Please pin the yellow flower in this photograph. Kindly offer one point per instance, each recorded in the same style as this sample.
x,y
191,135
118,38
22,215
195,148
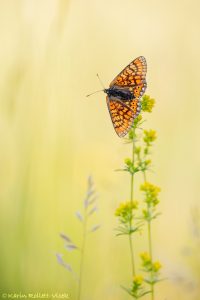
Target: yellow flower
x,y
119,209
147,103
145,257
128,161
137,150
150,188
149,136
138,279
147,162
151,193
157,266
126,207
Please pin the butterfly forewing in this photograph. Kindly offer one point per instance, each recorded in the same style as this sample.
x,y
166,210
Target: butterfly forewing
x,y
133,77
122,114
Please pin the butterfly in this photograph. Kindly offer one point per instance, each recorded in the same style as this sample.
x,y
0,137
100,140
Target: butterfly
x,y
124,93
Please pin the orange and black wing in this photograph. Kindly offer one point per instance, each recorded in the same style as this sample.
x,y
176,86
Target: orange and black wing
x,y
122,114
135,105
133,77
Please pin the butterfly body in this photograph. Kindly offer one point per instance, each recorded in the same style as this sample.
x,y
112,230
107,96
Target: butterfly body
x,y
119,93
124,93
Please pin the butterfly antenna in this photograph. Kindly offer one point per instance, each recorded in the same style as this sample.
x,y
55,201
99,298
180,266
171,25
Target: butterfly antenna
x,y
99,90
94,93
101,81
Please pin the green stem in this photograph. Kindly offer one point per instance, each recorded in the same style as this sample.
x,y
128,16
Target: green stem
x,y
150,242
151,256
132,197
82,255
132,187
132,255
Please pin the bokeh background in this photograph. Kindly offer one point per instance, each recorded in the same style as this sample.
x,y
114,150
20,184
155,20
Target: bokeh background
x,y
52,137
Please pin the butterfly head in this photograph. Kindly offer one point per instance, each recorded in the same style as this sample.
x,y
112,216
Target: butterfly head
x,y
107,91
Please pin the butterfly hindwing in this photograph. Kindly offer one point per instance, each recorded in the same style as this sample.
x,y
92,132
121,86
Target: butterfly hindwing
x,y
135,105
122,114
133,77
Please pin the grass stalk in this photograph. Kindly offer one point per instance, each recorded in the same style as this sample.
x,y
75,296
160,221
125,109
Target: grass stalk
x,y
82,255
132,197
83,216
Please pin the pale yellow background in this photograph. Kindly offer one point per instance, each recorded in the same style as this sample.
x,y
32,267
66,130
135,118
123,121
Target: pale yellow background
x,y
52,137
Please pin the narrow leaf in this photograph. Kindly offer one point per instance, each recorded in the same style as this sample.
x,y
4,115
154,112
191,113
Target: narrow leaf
x,y
65,237
95,228
127,290
156,215
62,263
145,293
70,247
88,202
116,170
59,258
90,181
79,216
92,210
90,193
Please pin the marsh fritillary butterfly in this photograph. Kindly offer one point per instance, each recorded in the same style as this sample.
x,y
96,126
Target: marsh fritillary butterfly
x,y
124,93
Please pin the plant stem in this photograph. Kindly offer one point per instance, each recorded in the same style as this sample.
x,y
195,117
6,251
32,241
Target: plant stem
x,y
131,196
132,255
150,242
133,162
151,256
82,254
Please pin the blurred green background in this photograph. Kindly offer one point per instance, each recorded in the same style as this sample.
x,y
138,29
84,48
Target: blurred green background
x,y
52,137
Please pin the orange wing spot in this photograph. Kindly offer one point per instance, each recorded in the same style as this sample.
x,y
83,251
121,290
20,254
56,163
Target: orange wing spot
x,y
127,117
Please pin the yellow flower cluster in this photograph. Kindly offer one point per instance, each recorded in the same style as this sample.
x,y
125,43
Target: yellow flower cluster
x,y
147,103
125,208
128,161
137,150
145,257
147,162
151,189
149,136
138,279
151,192
148,264
156,266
